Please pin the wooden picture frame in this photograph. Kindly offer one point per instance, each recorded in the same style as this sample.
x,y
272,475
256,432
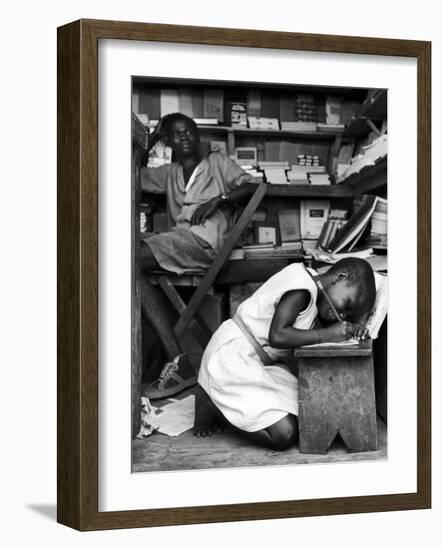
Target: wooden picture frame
x,y
78,429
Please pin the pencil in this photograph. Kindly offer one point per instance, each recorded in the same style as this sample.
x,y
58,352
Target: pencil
x,y
330,303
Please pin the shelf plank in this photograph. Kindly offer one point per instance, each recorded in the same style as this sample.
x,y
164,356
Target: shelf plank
x,y
310,191
329,134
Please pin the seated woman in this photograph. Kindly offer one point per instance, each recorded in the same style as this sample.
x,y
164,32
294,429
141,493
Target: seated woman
x,y
200,191
243,379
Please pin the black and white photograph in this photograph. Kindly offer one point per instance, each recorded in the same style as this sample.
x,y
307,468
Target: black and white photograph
x,y
259,274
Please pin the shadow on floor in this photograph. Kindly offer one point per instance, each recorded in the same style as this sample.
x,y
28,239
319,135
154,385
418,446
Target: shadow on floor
x,y
48,511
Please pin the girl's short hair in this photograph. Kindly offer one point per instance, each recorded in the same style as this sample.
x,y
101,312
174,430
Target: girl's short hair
x,y
359,274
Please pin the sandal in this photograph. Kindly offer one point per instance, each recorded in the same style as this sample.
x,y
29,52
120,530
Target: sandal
x,y
171,380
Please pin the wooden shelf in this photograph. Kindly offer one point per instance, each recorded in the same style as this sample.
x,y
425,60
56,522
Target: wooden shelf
x,y
368,179
329,134
310,191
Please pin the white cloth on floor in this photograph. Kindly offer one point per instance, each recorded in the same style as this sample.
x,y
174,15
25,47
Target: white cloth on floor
x,y
250,395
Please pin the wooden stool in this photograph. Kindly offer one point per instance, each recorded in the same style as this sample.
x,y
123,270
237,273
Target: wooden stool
x,y
336,395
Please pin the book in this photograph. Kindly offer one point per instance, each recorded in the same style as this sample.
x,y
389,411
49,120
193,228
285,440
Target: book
x,y
305,108
206,121
318,178
380,308
254,102
263,123
275,175
246,155
313,215
197,103
169,101
149,103
213,103
299,126
237,254
286,107
368,155
271,151
273,164
324,127
288,151
185,101
333,109
355,226
300,174
238,113
269,104
289,225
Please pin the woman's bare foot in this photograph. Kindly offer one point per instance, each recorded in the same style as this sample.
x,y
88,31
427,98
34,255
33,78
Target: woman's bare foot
x,y
208,419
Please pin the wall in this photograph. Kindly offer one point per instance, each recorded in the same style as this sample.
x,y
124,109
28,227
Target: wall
x,y
29,280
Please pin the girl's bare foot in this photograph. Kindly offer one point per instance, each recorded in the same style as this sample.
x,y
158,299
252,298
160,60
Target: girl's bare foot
x,y
208,419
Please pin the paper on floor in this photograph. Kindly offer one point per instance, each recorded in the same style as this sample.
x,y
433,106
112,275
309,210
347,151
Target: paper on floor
x,y
149,418
177,417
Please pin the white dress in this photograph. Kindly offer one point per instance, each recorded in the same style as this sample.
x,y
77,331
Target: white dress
x,y
250,395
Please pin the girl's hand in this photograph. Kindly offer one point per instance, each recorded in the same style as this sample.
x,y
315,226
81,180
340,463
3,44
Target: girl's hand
x,y
204,211
361,332
339,332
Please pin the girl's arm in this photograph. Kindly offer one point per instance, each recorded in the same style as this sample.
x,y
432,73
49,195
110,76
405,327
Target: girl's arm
x,y
283,335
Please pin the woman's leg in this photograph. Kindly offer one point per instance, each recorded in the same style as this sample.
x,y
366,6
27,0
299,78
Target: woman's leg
x,y
151,304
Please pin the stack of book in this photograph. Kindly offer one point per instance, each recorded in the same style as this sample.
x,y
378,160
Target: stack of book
x,y
292,250
263,123
258,175
238,113
366,254
333,108
370,154
378,233
299,175
308,160
324,127
305,108
298,126
335,222
318,178
207,121
351,233
275,171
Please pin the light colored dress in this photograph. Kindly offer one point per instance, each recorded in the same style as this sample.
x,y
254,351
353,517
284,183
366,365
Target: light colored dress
x,y
250,395
188,247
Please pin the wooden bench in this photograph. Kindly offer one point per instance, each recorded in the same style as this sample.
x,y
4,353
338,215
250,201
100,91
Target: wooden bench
x,y
336,395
